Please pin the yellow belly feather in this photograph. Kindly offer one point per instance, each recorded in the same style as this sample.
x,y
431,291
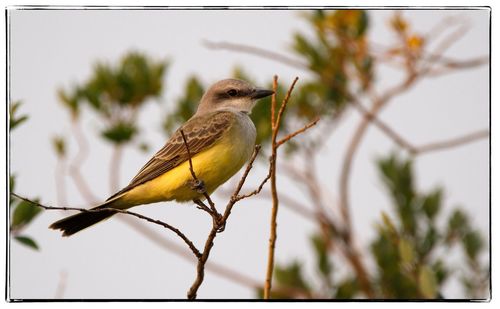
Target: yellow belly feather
x,y
214,166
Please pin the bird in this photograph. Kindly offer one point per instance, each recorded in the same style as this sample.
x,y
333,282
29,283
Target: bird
x,y
220,139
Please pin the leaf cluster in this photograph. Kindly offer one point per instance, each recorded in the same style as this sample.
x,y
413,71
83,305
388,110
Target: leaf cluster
x,y
22,213
410,249
116,93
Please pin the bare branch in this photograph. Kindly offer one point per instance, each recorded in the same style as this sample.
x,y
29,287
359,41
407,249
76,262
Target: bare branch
x,y
256,191
454,142
284,103
200,183
299,131
115,210
383,127
257,51
418,150
218,226
275,124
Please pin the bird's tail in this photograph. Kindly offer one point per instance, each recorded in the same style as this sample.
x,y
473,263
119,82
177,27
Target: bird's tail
x,y
75,223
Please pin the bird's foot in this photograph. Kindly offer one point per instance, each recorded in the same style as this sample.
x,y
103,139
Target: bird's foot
x,y
197,185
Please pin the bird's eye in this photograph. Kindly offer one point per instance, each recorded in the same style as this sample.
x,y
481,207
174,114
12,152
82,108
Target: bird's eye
x,y
232,92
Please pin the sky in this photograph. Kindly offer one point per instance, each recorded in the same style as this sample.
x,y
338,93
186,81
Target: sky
x,y
53,49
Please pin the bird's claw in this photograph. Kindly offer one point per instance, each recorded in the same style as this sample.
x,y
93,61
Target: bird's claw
x,y
197,185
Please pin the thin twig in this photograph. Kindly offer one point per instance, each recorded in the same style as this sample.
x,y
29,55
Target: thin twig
x,y
454,142
204,192
274,194
256,191
122,211
299,131
383,127
275,124
257,51
277,121
419,150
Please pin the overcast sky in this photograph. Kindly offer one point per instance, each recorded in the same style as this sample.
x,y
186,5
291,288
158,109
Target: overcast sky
x,y
52,49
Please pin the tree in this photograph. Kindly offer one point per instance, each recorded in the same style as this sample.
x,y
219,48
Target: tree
x,y
344,64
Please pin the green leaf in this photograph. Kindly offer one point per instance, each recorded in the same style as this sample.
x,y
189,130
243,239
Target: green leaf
x,y
70,101
59,144
24,213
120,133
15,120
291,276
347,289
388,224
473,243
12,185
427,282
143,147
185,106
27,241
458,225
322,261
432,203
406,251
440,271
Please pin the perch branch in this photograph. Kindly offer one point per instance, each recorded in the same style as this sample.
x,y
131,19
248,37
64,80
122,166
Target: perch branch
x,y
126,212
217,226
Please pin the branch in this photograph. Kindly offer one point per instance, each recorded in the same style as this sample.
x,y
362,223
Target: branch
x,y
126,212
74,168
218,226
454,142
257,51
369,116
272,171
299,131
198,183
275,124
418,150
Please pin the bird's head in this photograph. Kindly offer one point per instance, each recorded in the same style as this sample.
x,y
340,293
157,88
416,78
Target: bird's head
x,y
233,94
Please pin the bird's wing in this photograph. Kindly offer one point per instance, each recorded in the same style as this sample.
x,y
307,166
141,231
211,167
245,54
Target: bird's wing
x,y
201,132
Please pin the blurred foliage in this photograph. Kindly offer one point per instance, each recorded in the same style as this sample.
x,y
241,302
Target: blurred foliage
x,y
116,94
59,145
14,119
411,250
21,212
339,47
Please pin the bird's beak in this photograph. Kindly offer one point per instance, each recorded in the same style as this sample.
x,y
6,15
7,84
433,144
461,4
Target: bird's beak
x,y
261,93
